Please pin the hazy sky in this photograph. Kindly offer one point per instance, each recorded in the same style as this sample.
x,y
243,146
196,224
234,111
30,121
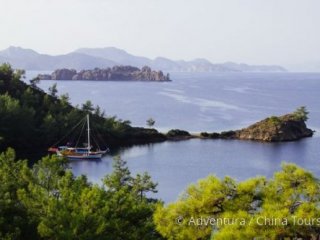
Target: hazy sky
x,y
253,31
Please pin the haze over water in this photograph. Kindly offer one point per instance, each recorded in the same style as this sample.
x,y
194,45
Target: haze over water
x,y
203,102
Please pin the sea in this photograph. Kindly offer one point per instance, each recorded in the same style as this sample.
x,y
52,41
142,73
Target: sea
x,y
197,102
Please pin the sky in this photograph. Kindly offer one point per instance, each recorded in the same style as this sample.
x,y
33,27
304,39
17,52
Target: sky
x,y
284,32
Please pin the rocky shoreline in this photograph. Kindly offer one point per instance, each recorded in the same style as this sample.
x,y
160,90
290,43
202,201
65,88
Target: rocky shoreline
x,y
116,73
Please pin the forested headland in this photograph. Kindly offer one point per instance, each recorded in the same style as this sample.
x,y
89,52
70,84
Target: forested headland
x,y
32,120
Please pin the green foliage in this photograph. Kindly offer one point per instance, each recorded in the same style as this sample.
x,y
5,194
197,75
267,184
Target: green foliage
x,y
274,120
53,90
48,202
291,194
31,120
150,122
16,121
178,133
5,70
128,206
88,107
301,113
120,178
34,82
143,184
14,223
64,98
99,112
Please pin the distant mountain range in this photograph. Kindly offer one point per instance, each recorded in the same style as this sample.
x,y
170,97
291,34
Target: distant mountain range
x,y
89,58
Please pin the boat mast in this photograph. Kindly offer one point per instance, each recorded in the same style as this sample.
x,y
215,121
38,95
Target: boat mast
x,y
88,127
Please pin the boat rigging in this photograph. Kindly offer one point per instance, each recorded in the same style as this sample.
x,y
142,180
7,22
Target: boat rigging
x,y
80,153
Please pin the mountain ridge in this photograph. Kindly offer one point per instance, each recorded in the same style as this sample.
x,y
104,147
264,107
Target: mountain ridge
x,y
88,58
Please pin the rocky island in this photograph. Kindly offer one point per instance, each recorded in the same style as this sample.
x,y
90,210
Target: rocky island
x,y
116,73
289,127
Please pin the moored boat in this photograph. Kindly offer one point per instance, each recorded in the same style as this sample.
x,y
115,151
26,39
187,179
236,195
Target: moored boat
x,y
80,153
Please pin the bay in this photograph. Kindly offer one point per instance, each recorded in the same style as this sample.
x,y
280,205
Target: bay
x,y
203,102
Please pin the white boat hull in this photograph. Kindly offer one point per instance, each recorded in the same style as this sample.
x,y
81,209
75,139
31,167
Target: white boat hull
x,y
84,157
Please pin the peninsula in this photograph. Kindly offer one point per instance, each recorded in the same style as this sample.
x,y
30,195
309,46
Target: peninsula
x,y
116,73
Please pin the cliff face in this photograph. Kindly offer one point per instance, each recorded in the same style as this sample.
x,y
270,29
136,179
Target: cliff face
x,y
121,73
273,129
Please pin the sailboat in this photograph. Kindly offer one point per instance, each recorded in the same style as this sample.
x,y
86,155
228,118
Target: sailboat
x,y
80,153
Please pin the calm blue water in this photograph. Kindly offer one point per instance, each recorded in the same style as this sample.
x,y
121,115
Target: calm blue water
x,y
203,102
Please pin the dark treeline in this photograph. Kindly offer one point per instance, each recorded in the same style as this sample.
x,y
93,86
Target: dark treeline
x,y
31,120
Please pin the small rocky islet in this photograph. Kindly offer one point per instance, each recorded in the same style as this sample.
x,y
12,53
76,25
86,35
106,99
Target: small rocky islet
x,y
116,73
289,127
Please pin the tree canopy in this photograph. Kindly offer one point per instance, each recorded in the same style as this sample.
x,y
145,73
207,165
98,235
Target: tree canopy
x,y
150,122
48,202
301,113
286,206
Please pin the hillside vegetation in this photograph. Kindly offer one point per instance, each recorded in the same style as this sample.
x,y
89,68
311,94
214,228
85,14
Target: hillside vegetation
x,y
31,120
48,202
287,206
